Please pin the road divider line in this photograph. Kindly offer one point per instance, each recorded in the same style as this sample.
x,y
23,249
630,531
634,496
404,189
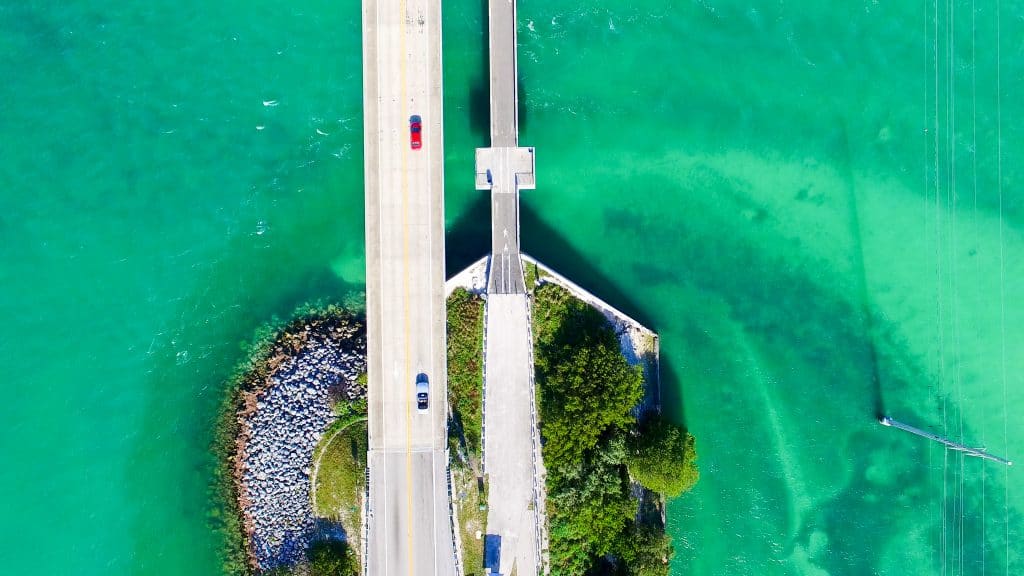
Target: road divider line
x,y
402,8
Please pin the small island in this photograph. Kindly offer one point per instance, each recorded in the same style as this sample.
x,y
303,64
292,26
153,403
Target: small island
x,y
610,458
291,448
291,444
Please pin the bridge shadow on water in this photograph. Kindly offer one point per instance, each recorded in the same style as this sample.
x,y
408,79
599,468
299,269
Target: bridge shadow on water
x,y
480,90
468,239
546,244
521,112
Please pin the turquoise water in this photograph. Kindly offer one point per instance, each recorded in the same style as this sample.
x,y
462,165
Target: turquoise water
x,y
810,203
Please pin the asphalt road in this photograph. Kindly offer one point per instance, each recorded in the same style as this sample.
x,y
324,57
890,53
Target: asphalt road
x,y
409,525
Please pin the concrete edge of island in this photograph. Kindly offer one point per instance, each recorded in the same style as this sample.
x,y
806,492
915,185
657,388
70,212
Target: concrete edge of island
x,y
639,345
637,341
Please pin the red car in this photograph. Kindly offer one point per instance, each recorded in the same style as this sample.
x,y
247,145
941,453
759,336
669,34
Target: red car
x,y
415,129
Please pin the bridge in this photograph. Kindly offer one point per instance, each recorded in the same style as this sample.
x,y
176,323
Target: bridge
x,y
504,168
408,522
409,530
512,462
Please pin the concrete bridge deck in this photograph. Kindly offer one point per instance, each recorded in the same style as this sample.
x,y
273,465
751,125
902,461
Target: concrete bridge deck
x,y
408,524
504,70
504,168
511,443
505,171
511,447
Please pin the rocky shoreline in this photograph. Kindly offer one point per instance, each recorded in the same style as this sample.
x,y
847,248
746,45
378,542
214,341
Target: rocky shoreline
x,y
313,364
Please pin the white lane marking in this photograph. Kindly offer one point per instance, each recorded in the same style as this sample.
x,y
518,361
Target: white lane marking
x,y
430,247
380,268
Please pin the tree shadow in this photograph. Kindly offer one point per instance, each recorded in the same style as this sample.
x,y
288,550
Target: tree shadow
x,y
671,394
328,530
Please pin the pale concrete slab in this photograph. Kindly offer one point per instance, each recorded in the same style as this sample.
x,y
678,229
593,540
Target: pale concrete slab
x,y
509,449
503,171
501,17
519,163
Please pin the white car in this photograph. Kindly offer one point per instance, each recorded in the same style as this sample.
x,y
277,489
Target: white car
x,y
422,393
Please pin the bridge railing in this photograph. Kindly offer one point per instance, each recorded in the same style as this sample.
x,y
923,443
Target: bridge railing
x,y
539,494
365,528
453,516
483,395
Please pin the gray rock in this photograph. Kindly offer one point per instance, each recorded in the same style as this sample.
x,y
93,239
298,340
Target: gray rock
x,y
290,419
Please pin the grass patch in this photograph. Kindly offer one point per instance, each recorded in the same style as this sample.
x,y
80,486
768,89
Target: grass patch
x,y
471,506
531,274
465,369
340,475
465,396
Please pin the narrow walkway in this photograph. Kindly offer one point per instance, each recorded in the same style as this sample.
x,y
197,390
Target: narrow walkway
x,y
504,168
509,458
505,171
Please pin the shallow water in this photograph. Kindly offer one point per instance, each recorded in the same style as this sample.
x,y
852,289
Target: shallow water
x,y
810,204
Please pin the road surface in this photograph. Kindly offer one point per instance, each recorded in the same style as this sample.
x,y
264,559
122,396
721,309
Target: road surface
x,y
509,442
502,55
409,530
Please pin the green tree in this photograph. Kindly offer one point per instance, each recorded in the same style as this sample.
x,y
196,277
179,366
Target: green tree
x,y
590,501
563,324
662,457
643,551
587,392
585,396
332,558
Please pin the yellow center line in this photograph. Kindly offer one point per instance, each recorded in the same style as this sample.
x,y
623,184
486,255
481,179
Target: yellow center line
x,y
405,296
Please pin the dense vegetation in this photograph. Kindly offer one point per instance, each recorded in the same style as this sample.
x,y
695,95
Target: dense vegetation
x,y
643,551
465,366
465,396
663,458
587,393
